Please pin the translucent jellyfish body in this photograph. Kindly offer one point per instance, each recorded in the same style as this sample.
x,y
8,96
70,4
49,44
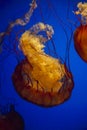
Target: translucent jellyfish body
x,y
41,78
80,34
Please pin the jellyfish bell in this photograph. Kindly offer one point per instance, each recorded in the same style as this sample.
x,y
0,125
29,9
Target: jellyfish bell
x,y
10,119
40,78
80,34
80,41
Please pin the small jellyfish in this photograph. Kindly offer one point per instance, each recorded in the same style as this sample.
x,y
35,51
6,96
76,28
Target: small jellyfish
x,y
10,119
80,34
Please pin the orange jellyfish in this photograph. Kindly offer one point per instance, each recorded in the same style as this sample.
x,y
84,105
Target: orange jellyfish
x,y
40,78
80,34
10,119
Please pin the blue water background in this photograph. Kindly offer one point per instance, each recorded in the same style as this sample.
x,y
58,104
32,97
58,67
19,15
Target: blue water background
x,y
71,115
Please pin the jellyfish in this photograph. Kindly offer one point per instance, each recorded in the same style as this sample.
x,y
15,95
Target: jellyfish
x,y
80,34
39,77
10,119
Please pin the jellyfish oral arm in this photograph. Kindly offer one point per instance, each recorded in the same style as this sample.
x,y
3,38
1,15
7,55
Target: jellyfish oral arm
x,y
27,16
25,20
82,10
42,27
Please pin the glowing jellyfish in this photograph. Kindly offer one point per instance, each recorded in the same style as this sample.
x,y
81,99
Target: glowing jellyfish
x,y
10,119
80,35
40,78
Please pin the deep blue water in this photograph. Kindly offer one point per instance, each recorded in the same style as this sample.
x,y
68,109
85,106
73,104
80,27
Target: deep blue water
x,y
72,114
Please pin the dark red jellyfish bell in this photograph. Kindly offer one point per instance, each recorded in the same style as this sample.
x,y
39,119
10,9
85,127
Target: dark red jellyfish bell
x,y
80,41
80,34
11,120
